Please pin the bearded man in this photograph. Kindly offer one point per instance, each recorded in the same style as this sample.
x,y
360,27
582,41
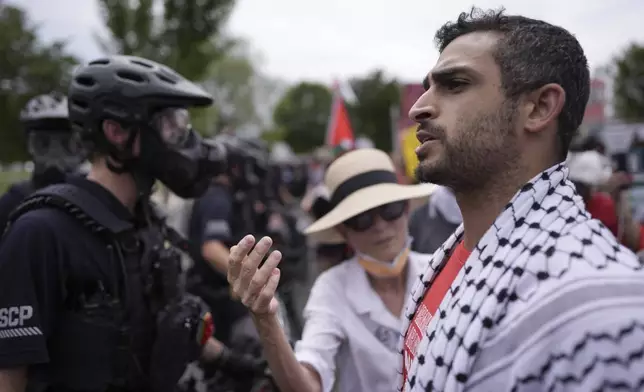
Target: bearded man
x,y
530,293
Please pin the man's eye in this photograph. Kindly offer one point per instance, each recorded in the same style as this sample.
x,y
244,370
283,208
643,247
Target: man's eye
x,y
454,84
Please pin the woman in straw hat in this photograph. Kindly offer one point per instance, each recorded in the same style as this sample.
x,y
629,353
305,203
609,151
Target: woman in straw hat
x,y
330,246
353,314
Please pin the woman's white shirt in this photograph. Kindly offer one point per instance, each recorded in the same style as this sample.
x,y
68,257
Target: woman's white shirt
x,y
349,329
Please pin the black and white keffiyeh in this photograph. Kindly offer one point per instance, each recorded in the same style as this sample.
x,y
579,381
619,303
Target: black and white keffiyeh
x,y
547,301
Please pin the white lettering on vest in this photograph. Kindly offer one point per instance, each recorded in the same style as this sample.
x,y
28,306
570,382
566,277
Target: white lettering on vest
x,y
15,316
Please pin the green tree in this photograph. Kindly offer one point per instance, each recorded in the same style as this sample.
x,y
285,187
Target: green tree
x,y
244,97
302,115
629,84
274,135
185,35
231,81
371,114
29,67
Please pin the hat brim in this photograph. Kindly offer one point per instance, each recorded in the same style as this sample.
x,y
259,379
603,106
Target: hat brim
x,y
367,198
327,237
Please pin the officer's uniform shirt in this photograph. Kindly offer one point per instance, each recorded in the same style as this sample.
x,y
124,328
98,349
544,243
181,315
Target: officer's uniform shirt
x,y
349,332
11,199
213,219
41,257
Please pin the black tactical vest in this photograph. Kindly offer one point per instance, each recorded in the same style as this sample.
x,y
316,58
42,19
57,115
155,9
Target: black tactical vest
x,y
103,343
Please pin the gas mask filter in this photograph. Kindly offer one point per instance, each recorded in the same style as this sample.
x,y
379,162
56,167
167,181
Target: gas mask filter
x,y
173,153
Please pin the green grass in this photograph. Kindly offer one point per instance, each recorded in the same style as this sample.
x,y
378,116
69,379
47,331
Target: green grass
x,y
9,177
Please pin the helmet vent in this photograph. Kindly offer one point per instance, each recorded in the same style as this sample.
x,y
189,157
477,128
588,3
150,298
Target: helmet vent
x,y
131,76
78,105
142,63
86,81
100,62
114,109
164,77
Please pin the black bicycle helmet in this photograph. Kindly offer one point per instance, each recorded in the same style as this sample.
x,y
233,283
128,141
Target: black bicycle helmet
x,y
129,90
47,112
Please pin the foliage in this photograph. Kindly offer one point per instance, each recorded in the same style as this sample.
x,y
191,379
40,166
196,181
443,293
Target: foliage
x,y
188,36
29,67
232,82
629,85
274,135
185,35
10,177
302,116
371,114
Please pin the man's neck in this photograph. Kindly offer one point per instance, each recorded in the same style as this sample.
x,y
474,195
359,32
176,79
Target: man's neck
x,y
479,212
122,186
480,208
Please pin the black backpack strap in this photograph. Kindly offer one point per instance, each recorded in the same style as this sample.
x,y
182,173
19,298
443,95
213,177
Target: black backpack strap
x,y
78,203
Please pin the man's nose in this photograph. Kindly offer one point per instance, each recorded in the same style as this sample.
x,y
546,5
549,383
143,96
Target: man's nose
x,y
424,108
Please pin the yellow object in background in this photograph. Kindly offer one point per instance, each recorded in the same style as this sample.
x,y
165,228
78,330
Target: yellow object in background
x,y
408,146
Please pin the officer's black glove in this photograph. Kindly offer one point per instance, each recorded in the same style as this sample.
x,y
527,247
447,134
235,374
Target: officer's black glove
x,y
236,365
183,327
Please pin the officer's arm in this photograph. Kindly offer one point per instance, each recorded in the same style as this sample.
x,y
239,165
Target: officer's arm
x,y
217,254
30,284
215,210
13,380
237,365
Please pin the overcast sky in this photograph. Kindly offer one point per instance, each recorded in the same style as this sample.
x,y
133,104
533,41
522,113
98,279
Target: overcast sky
x,y
325,39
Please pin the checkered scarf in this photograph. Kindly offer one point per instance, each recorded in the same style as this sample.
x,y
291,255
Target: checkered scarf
x,y
545,221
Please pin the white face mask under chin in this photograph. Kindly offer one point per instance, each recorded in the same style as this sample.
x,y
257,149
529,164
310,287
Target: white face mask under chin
x,y
386,269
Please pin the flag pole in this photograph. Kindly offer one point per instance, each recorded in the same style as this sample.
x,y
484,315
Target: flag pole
x,y
394,114
333,114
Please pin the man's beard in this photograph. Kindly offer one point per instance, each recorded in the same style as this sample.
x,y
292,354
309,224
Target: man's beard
x,y
483,151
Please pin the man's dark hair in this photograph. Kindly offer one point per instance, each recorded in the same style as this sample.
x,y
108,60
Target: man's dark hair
x,y
530,54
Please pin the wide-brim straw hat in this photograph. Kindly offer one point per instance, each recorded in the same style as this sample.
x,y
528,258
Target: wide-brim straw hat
x,y
319,206
327,237
359,181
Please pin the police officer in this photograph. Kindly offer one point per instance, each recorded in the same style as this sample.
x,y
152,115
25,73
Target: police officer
x,y
219,219
54,149
89,296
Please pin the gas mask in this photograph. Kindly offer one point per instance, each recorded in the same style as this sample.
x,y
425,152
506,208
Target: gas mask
x,y
241,171
55,154
173,153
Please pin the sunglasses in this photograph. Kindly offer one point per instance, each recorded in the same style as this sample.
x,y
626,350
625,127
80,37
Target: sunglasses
x,y
387,212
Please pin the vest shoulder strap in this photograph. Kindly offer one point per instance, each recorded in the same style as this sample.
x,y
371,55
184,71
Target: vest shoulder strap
x,y
78,203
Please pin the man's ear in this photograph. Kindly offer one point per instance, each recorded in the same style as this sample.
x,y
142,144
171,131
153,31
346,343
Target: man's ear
x,y
543,107
115,134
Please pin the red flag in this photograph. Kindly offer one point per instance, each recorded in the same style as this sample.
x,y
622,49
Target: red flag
x,y
339,132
